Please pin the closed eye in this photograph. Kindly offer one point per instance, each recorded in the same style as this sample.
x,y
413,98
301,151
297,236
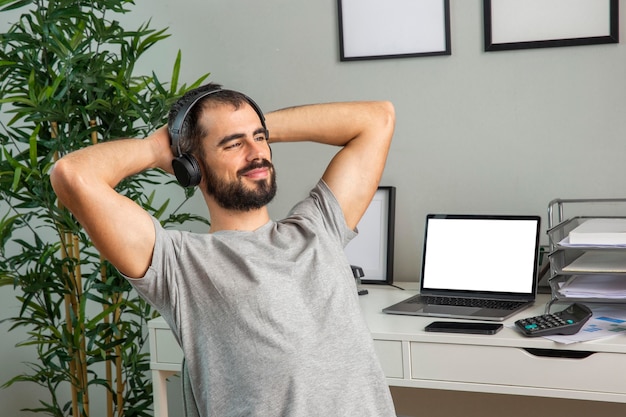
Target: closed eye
x,y
232,145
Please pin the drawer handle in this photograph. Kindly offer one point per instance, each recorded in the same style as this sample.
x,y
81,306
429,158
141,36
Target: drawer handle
x,y
556,353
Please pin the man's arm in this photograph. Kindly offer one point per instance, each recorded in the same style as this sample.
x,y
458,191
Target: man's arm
x,y
363,130
84,182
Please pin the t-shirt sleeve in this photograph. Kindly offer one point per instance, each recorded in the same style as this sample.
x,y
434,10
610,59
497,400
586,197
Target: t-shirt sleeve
x,y
156,286
326,210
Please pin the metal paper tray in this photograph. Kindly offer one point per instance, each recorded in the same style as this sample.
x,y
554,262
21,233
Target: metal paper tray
x,y
558,233
561,258
555,284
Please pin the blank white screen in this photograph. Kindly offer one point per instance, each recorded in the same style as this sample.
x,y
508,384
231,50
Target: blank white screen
x,y
480,255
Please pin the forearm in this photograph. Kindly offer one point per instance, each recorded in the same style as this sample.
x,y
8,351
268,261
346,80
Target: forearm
x,y
108,163
332,123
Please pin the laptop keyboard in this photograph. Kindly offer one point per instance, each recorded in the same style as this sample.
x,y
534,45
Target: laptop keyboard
x,y
469,302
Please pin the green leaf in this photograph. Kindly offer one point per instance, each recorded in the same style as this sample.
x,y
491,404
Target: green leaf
x,y
6,281
33,146
159,212
175,73
17,174
98,318
15,5
18,100
7,224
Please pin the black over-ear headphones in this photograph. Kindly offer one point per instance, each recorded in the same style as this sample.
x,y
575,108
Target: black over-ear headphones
x,y
186,166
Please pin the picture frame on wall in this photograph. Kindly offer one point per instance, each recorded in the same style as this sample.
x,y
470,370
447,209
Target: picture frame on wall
x,y
383,29
515,24
372,248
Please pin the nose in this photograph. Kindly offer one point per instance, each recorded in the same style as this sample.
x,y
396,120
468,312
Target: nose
x,y
259,150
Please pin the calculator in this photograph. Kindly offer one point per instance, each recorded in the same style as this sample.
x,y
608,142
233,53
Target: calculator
x,y
566,322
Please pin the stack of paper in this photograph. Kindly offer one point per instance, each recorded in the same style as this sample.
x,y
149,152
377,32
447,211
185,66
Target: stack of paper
x,y
601,231
594,286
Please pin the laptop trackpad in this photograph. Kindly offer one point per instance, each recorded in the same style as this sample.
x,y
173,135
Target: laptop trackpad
x,y
451,310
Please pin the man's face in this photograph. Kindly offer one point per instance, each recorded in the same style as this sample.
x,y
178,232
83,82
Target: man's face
x,y
238,173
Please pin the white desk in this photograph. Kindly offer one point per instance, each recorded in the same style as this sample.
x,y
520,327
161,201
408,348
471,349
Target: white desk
x,y
503,363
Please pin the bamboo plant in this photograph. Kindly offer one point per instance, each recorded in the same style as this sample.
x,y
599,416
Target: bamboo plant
x,y
67,81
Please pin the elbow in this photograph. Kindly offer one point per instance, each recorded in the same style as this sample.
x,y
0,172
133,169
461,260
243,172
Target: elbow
x,y
57,176
61,179
391,112
388,118
389,109
388,115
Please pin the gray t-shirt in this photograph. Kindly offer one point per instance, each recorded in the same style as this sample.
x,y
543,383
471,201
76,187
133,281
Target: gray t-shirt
x,y
269,320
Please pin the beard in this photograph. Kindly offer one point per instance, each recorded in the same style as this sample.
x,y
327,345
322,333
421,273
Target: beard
x,y
235,195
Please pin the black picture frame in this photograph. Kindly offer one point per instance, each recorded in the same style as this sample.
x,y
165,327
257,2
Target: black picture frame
x,y
373,248
383,29
514,24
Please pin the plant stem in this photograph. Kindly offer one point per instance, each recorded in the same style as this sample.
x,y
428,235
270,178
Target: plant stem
x,y
82,350
65,236
105,306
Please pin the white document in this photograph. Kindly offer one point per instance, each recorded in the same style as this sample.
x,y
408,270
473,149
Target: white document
x,y
566,244
594,286
606,321
601,231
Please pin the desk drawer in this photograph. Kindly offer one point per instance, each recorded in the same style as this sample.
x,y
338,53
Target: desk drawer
x,y
599,372
390,355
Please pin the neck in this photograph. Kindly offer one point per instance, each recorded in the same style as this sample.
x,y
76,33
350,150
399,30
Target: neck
x,y
223,219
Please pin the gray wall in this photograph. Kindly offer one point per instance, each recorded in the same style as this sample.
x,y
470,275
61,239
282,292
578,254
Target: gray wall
x,y
477,132
499,132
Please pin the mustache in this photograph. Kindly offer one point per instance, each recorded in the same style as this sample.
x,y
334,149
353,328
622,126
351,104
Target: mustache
x,y
255,165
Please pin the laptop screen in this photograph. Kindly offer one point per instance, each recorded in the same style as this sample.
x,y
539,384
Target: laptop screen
x,y
476,253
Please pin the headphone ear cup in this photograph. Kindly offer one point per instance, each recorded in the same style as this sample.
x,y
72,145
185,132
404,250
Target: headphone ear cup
x,y
187,170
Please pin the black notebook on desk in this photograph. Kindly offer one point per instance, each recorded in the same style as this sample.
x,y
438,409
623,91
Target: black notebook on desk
x,y
476,267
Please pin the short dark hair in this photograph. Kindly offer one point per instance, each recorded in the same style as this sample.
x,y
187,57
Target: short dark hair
x,y
192,131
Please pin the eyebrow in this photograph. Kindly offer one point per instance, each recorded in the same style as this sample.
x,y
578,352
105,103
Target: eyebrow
x,y
236,136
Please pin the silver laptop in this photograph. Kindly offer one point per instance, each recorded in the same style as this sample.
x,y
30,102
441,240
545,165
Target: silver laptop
x,y
476,267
